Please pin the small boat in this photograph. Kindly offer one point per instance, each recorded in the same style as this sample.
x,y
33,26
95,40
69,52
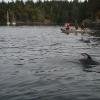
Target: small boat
x,y
68,28
13,21
64,30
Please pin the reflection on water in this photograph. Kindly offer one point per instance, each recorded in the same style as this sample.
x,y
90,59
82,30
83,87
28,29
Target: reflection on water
x,y
41,63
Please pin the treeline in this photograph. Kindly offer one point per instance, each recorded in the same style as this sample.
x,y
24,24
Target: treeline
x,y
49,12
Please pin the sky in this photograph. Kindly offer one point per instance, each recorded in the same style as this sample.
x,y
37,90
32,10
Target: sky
x,y
33,0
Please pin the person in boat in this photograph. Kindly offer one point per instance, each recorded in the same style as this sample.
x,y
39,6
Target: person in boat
x,y
82,26
67,26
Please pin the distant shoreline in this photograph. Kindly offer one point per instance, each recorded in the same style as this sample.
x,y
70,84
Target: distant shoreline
x,y
90,25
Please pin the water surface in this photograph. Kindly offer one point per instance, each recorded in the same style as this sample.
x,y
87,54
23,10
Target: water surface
x,y
42,63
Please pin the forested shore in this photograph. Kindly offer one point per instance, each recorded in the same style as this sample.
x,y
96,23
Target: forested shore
x,y
49,12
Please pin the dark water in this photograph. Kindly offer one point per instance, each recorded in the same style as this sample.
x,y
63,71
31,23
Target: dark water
x,y
41,63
